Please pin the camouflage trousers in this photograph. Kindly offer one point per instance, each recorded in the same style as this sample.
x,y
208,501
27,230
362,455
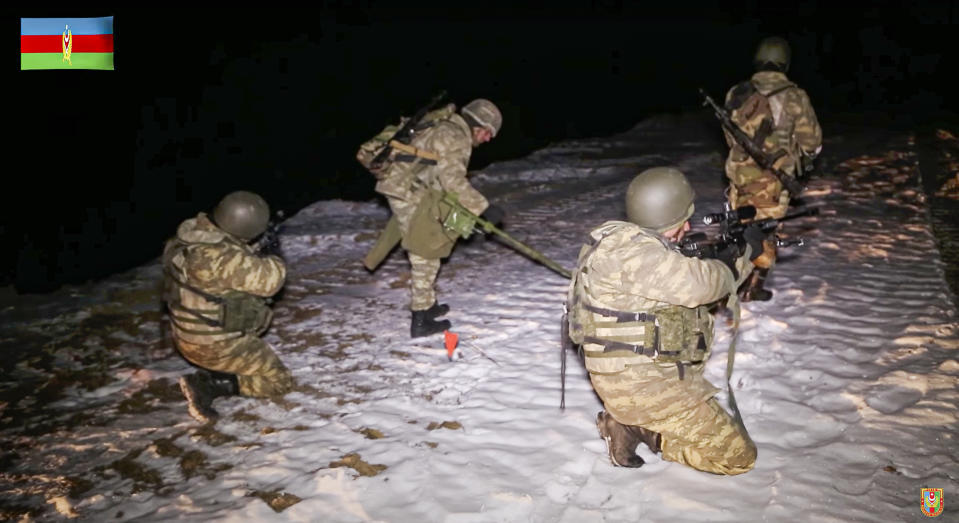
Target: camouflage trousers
x,y
764,192
695,429
422,281
423,271
259,371
750,185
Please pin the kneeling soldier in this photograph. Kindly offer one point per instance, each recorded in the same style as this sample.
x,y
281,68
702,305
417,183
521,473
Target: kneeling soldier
x,y
638,307
217,292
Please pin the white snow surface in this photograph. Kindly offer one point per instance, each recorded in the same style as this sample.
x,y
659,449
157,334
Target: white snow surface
x,y
846,380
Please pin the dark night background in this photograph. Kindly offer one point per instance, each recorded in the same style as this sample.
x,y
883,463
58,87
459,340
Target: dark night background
x,y
101,166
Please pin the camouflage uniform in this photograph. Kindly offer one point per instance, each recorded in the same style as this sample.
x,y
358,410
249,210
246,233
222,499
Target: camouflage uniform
x,y
406,183
647,363
794,129
212,263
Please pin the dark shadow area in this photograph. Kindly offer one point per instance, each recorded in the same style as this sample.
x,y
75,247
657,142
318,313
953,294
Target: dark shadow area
x,y
103,165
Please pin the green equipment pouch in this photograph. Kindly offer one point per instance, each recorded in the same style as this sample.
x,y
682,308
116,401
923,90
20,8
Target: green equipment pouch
x,y
427,236
457,221
682,338
243,312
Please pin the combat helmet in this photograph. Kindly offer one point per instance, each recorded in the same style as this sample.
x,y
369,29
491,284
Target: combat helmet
x,y
242,214
660,199
485,113
773,50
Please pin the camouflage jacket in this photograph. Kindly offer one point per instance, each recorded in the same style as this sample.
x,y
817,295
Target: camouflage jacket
x,y
451,140
632,270
212,263
795,128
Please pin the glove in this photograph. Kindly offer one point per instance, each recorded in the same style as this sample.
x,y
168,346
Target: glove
x,y
754,236
728,254
493,214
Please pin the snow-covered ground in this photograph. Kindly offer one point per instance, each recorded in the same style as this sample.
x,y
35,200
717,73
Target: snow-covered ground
x,y
846,379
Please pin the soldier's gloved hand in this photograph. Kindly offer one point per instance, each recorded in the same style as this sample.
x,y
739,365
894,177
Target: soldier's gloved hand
x,y
754,236
728,255
494,214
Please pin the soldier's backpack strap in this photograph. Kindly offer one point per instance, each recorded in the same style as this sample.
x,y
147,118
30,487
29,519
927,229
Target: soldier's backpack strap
x,y
774,92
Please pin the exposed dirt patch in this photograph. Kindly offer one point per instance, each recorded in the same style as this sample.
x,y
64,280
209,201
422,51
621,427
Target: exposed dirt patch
x,y
451,425
371,433
294,315
276,499
13,512
76,487
166,448
194,463
143,476
244,417
366,237
147,399
212,437
354,462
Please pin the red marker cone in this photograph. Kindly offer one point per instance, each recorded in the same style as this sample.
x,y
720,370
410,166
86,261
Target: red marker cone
x,y
451,341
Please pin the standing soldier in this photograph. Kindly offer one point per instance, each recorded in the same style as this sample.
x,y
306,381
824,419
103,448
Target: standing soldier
x,y
776,114
433,163
217,292
639,308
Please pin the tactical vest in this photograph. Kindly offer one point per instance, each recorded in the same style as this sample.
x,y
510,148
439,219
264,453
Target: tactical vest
x,y
668,334
236,312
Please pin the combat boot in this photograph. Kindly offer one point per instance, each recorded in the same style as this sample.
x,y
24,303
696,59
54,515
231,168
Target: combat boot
x,y
437,309
200,389
621,441
424,325
754,290
653,440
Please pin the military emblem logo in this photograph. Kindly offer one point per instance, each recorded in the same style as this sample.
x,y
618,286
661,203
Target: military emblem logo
x,y
67,45
931,502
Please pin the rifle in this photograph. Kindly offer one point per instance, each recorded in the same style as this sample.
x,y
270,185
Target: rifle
x,y
464,223
269,241
732,225
404,134
753,149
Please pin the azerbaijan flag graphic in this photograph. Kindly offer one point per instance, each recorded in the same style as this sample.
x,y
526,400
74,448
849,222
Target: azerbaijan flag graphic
x,y
66,43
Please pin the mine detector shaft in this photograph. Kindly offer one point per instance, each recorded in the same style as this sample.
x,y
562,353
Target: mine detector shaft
x,y
464,223
456,220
